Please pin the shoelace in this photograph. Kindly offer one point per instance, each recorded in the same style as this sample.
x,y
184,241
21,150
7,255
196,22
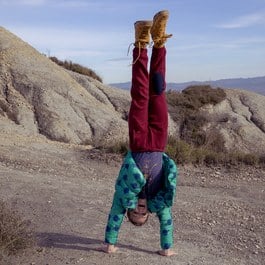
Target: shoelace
x,y
151,44
139,53
163,38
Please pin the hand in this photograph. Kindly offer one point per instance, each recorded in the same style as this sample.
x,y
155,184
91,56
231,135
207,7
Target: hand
x,y
167,252
108,248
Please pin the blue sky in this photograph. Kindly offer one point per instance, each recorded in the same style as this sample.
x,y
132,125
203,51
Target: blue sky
x,y
212,39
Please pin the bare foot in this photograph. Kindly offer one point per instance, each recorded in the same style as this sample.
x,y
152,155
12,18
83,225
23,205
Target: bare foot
x,y
166,252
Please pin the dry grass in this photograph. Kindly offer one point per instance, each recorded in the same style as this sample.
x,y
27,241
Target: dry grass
x,y
15,233
117,148
69,65
184,153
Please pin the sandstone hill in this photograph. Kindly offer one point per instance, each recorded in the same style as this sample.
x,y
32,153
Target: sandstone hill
x,y
40,98
240,120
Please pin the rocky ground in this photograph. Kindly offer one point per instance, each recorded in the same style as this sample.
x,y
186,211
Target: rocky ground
x,y
66,191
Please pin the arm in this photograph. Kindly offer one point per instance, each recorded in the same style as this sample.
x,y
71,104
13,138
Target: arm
x,y
166,231
115,219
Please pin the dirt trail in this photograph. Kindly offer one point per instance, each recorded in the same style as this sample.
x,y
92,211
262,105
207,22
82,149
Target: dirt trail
x,y
66,192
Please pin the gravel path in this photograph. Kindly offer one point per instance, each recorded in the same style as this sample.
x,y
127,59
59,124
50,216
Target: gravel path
x,y
66,192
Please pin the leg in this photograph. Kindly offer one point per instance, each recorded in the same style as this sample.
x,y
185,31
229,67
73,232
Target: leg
x,y
158,112
138,115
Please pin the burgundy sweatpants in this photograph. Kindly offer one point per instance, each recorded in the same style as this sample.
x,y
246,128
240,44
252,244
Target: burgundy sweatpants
x,y
148,116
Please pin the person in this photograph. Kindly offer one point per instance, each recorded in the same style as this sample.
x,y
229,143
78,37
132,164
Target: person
x,y
147,178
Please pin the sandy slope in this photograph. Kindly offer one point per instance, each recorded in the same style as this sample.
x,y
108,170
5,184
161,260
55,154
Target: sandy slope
x,y
66,192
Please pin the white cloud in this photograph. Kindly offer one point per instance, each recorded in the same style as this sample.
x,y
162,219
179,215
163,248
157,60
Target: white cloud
x,y
244,21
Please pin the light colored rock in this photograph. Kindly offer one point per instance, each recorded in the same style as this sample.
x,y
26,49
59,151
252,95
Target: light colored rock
x,y
42,97
241,121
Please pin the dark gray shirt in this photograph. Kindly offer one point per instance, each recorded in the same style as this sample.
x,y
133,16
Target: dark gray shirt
x,y
151,165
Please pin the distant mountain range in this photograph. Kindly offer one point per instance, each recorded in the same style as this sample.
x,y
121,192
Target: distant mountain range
x,y
254,84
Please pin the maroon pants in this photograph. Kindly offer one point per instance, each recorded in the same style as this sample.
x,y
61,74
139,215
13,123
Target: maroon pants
x,y
148,116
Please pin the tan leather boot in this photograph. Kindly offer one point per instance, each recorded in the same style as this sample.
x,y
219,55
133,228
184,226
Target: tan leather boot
x,y
158,30
142,33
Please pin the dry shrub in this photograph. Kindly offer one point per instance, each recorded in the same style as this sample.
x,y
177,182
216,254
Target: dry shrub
x,y
201,95
184,153
213,158
191,129
69,65
250,159
185,109
180,151
244,158
215,141
15,233
117,148
193,98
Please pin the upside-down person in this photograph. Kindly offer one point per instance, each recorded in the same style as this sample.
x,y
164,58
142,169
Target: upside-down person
x,y
148,177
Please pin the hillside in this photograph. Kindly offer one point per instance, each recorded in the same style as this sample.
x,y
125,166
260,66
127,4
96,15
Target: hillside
x,y
40,98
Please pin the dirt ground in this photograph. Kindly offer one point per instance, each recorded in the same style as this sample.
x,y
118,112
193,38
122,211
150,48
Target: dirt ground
x,y
66,192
